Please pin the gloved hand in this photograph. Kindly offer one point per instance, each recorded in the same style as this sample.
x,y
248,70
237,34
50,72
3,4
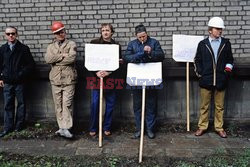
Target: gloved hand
x,y
228,71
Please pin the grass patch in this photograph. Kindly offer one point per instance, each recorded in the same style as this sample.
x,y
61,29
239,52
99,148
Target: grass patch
x,y
224,160
216,160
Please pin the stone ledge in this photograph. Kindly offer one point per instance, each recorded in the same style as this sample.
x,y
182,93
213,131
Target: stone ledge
x,y
170,69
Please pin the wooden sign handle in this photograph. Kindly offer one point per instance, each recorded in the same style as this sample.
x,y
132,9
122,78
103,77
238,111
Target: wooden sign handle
x,y
100,112
187,89
142,123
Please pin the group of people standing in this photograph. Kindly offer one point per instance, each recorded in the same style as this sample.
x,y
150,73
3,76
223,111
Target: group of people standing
x,y
213,63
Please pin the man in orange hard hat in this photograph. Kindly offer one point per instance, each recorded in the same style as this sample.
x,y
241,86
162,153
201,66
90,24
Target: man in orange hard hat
x,y
213,64
61,55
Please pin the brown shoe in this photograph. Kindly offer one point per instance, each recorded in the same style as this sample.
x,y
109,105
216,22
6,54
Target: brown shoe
x,y
199,132
222,134
92,134
107,133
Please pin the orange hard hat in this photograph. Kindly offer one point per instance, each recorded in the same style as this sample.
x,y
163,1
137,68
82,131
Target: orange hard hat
x,y
57,26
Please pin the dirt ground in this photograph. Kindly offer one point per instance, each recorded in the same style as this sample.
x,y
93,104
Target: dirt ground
x,y
45,130
216,160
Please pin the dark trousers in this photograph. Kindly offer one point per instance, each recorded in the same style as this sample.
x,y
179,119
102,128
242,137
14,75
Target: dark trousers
x,y
10,91
110,98
150,107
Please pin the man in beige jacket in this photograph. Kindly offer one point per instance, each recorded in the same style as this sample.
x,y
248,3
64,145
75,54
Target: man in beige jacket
x,y
61,55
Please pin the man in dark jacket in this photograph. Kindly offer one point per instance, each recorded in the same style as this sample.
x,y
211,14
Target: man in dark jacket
x,y
16,64
213,64
144,49
107,31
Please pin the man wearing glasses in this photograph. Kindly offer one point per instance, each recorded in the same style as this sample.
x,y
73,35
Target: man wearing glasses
x,y
16,65
61,55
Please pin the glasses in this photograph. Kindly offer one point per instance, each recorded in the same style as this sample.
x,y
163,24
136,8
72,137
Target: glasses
x,y
10,33
59,32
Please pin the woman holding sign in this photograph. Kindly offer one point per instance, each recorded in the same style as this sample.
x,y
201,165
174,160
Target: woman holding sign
x,y
144,49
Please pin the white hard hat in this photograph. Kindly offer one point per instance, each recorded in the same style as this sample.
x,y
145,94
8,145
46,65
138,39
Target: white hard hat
x,y
216,22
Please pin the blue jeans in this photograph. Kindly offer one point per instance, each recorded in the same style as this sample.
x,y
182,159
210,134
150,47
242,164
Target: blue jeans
x,y
150,107
110,97
10,92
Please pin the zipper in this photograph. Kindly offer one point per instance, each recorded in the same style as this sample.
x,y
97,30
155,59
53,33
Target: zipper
x,y
214,67
221,51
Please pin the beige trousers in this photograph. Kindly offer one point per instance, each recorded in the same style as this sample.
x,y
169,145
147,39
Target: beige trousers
x,y
63,99
204,109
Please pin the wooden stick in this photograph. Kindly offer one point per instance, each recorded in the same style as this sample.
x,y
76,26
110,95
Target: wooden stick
x,y
142,123
187,89
100,112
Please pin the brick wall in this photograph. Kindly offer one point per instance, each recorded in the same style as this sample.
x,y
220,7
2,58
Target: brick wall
x,y
162,17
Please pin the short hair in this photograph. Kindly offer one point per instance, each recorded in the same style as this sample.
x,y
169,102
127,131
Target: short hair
x,y
140,28
209,28
12,28
107,24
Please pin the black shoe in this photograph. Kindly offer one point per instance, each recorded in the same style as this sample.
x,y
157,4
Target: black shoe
x,y
150,134
4,133
18,129
137,134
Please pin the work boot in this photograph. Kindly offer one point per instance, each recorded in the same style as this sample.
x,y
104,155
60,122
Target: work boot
x,y
59,132
66,133
150,134
4,133
137,134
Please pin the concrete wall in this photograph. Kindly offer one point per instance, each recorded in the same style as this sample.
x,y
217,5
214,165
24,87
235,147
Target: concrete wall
x,y
163,18
171,101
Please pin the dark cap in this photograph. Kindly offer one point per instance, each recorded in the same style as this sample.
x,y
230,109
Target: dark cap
x,y
140,28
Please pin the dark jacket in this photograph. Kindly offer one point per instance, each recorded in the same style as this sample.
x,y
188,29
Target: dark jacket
x,y
16,65
109,81
135,52
212,74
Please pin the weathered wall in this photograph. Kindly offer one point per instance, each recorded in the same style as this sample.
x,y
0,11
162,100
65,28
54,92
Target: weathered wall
x,y
171,101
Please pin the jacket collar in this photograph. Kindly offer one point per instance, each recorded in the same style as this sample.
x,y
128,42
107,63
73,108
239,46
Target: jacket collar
x,y
16,48
223,41
16,43
63,44
148,39
102,41
13,44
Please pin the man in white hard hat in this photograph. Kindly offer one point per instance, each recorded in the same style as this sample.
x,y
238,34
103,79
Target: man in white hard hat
x,y
61,55
213,64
